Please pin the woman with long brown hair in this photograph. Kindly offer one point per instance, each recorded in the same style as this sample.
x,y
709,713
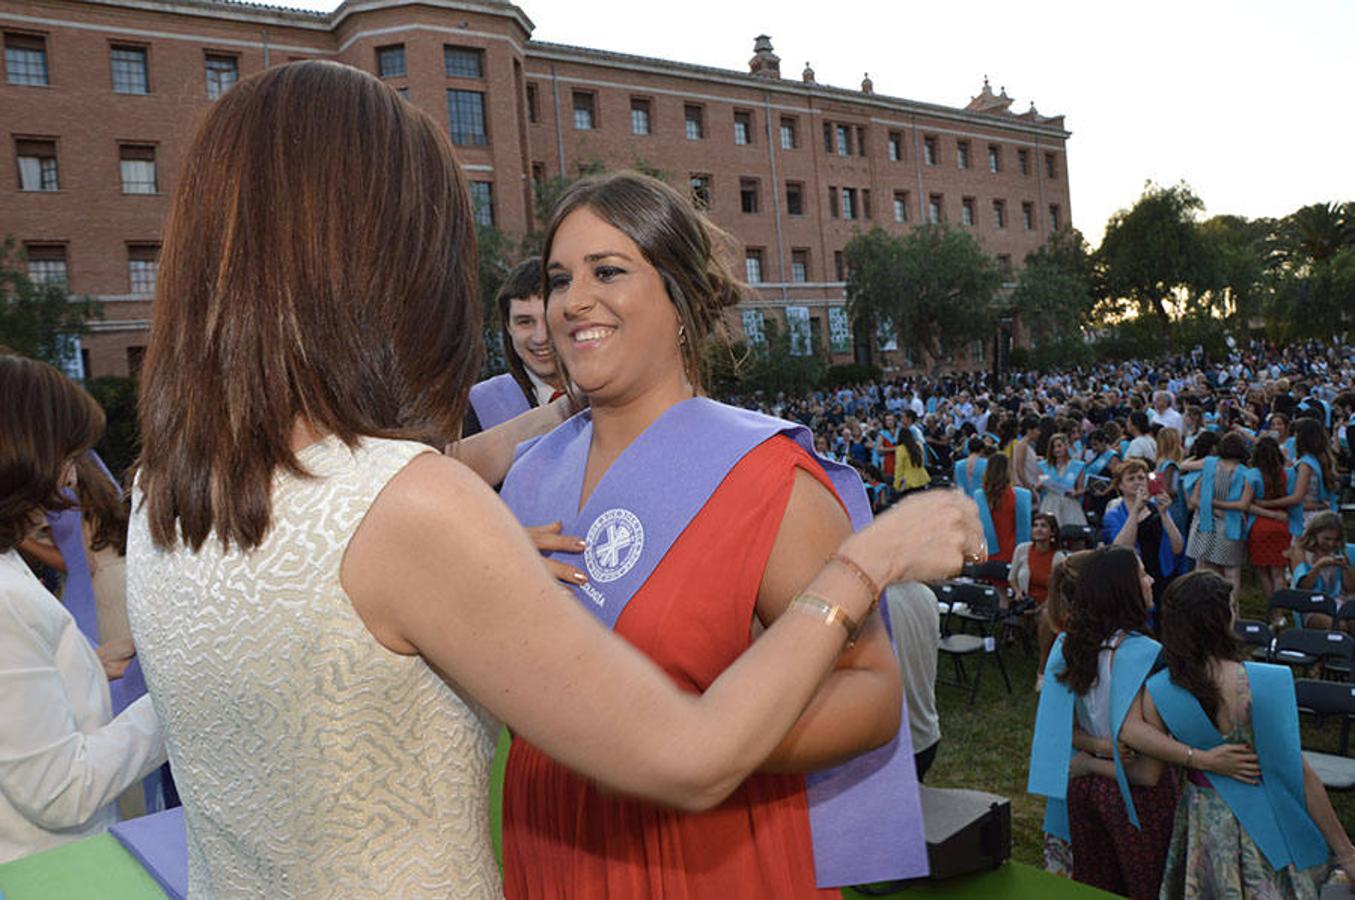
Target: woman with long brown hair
x,y
325,607
1004,510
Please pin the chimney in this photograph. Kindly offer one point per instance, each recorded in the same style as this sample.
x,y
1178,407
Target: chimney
x,y
808,74
867,86
764,63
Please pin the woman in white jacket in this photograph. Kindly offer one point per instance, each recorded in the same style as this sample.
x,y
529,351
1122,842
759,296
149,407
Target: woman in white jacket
x,y
1033,561
63,757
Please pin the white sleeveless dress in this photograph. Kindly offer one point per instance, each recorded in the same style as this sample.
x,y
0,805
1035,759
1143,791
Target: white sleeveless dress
x,y
311,760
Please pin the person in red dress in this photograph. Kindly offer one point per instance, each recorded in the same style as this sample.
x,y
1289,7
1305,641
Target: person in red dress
x,y
1000,496
1269,539
634,287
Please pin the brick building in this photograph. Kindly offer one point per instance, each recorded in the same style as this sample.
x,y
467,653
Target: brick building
x,y
100,99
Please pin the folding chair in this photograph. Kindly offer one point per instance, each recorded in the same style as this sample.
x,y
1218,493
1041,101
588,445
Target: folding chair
x,y
983,604
1329,698
1303,647
1070,533
1303,603
1257,635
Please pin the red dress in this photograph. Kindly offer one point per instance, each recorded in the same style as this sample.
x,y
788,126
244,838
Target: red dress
x,y
1040,566
562,837
1004,524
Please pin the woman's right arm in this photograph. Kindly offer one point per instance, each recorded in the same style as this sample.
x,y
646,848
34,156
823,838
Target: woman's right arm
x,y
53,773
1145,731
1128,535
490,453
43,552
439,567
1296,497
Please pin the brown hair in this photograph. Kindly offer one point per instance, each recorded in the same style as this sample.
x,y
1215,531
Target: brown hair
x,y
523,282
1197,628
318,266
997,477
102,504
46,420
1058,605
688,252
1169,445
1327,520
1128,467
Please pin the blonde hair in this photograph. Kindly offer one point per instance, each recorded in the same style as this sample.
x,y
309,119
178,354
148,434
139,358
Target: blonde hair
x,y
1323,521
1129,467
1169,445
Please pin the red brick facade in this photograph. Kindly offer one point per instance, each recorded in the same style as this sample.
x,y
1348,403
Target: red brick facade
x,y
72,91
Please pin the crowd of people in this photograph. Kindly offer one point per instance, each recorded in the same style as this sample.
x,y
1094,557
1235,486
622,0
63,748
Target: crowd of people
x,y
325,619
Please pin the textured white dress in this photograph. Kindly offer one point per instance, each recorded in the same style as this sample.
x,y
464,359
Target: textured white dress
x,y
311,760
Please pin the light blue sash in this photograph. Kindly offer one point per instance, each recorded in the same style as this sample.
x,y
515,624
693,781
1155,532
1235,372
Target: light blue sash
x,y
1232,519
1324,496
498,399
1329,583
1288,447
1023,513
1098,466
865,815
969,483
1124,448
1052,746
1274,813
1064,483
1296,511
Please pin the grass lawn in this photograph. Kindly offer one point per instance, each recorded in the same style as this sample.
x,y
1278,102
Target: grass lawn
x,y
987,746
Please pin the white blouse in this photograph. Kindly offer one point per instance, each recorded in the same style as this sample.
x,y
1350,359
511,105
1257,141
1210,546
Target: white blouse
x,y
62,761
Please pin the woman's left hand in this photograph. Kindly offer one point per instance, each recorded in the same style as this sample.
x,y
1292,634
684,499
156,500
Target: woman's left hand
x,y
116,656
548,539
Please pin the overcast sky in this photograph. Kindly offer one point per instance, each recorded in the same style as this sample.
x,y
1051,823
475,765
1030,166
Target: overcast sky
x,y
1247,101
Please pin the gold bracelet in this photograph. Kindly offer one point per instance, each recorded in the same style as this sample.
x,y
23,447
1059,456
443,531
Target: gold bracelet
x,y
860,573
831,613
1190,751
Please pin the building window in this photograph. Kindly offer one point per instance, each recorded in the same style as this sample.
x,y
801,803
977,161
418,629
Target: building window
x,y
967,210
844,140
790,138
900,206
538,173
482,200
795,198
895,146
1004,265
799,266
222,73
1054,217
47,264
1023,161
994,158
748,191
999,213
37,165
137,164
743,128
827,137
929,150
934,210
533,111
585,111
839,266
25,59
129,70
962,154
463,62
860,140
403,92
466,112
135,357
143,262
1050,166
639,115
701,196
390,61
694,121
752,265
1028,216
849,203
832,201
866,208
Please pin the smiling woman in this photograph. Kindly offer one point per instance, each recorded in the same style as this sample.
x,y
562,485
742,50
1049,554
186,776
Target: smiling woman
x,y
660,478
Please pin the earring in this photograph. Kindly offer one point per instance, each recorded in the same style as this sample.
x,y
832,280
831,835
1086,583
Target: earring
x,y
682,335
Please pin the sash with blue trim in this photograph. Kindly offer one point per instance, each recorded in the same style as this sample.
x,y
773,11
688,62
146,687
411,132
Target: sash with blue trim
x,y
1274,813
1023,513
1232,518
498,399
1051,747
865,816
1064,482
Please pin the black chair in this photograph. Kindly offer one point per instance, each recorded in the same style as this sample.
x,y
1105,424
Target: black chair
x,y
982,604
1070,533
1302,602
1303,647
1322,699
1257,635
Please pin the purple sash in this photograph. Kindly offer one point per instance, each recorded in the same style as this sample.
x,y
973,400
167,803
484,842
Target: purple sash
x,y
864,815
160,843
498,399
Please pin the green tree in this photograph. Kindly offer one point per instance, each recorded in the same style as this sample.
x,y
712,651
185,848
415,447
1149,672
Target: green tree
x,y
1312,272
1153,260
1240,248
1053,295
935,285
40,320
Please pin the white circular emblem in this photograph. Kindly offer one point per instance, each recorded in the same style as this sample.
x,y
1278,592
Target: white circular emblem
x,y
615,540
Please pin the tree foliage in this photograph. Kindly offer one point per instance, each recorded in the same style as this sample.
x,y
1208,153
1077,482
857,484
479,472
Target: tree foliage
x,y
934,285
40,320
1053,295
1153,260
